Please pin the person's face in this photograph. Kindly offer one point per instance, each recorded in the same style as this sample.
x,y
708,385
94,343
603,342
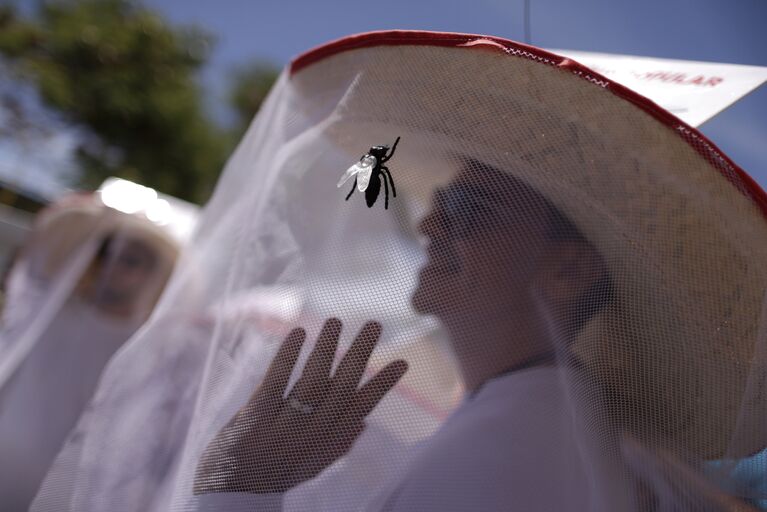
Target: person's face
x,y
126,271
484,250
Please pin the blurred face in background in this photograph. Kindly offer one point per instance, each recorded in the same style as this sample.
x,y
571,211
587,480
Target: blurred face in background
x,y
123,272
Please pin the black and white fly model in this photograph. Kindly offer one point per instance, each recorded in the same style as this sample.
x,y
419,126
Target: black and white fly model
x,y
369,172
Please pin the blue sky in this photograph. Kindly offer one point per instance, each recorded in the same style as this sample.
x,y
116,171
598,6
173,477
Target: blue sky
x,y
706,30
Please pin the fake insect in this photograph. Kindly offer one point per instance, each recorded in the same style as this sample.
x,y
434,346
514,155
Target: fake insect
x,y
368,174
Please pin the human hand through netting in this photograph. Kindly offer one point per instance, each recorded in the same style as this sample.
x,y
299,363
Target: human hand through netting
x,y
281,438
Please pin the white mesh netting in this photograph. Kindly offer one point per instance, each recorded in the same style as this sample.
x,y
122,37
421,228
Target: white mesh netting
x,y
86,279
560,309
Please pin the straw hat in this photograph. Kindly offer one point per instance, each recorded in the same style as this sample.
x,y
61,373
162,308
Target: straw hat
x,y
681,227
68,224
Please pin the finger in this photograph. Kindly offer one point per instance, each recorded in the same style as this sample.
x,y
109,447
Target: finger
x,y
315,378
352,366
376,388
278,374
341,398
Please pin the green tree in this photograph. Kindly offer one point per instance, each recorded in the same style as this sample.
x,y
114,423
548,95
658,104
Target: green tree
x,y
128,79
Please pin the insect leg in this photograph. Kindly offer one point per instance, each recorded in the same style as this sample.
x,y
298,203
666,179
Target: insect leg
x,y
387,174
386,189
391,153
354,185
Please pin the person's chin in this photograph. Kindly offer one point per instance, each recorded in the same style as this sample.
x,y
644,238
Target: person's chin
x,y
430,292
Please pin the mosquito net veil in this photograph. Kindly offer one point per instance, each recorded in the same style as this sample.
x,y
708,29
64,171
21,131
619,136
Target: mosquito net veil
x,y
447,272
87,277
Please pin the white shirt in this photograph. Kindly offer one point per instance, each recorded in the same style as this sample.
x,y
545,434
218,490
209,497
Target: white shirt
x,y
514,445
43,400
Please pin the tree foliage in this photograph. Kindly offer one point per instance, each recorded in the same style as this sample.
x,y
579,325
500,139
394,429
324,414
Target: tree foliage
x,y
128,79
249,87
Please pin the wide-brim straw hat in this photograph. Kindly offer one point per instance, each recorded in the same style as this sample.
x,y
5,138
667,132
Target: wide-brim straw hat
x,y
67,225
680,226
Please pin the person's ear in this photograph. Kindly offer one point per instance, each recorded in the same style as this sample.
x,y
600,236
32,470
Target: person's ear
x,y
569,272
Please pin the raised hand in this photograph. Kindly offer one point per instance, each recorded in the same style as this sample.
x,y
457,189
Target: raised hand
x,y
281,438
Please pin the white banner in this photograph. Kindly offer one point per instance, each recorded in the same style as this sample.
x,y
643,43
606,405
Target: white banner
x,y
693,91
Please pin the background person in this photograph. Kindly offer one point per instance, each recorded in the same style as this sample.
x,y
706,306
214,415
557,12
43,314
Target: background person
x,y
88,277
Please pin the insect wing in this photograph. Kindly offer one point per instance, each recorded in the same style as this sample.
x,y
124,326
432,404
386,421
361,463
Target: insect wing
x,y
351,171
366,169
